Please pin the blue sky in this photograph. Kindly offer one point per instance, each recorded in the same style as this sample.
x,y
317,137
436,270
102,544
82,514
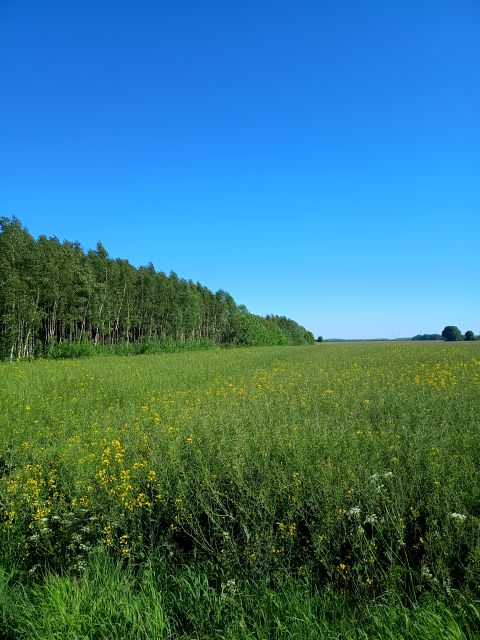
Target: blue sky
x,y
319,160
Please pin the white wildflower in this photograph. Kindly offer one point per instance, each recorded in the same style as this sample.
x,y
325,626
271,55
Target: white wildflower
x,y
354,511
426,573
371,519
374,480
229,589
458,516
80,565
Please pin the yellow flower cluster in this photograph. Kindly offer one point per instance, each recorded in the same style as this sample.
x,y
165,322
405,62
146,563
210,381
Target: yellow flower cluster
x,y
127,484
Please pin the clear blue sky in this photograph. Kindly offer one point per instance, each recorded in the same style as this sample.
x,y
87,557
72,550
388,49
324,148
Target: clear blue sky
x,y
315,159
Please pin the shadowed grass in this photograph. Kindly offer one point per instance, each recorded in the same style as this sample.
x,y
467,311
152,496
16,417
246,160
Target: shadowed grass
x,y
110,602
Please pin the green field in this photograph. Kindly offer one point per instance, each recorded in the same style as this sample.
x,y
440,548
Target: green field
x,y
330,491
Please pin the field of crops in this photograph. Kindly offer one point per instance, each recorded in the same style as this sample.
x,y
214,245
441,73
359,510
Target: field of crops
x,y
330,491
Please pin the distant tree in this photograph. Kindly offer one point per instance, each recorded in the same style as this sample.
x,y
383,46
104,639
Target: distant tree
x,y
452,333
320,339
469,335
427,336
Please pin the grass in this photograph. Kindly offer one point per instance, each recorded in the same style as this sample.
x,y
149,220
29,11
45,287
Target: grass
x,y
113,603
318,492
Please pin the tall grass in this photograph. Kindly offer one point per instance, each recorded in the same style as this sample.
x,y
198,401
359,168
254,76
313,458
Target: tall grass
x,y
327,491
113,602
87,348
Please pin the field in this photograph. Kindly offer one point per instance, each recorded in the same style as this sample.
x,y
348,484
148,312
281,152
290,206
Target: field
x,y
288,492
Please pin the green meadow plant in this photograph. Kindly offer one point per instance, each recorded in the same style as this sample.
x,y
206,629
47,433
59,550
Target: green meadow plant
x,y
322,491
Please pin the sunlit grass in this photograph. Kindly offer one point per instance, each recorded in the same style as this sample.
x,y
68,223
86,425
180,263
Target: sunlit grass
x,y
352,469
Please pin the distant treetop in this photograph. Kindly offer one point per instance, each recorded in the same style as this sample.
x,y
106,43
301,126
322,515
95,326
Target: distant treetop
x,y
452,333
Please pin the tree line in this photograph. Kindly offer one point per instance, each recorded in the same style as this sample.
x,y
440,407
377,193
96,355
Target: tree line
x,y
450,333
53,292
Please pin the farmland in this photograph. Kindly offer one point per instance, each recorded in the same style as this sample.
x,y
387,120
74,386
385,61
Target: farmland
x,y
308,492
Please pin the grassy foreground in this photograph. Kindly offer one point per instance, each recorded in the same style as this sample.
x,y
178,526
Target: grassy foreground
x,y
320,492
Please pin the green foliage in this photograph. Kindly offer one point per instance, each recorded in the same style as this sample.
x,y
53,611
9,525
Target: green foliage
x,y
66,349
452,334
75,429
320,339
428,336
86,348
273,492
254,331
57,301
297,334
469,335
163,600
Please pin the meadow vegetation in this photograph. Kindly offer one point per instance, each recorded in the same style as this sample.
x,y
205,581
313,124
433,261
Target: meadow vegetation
x,y
328,491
